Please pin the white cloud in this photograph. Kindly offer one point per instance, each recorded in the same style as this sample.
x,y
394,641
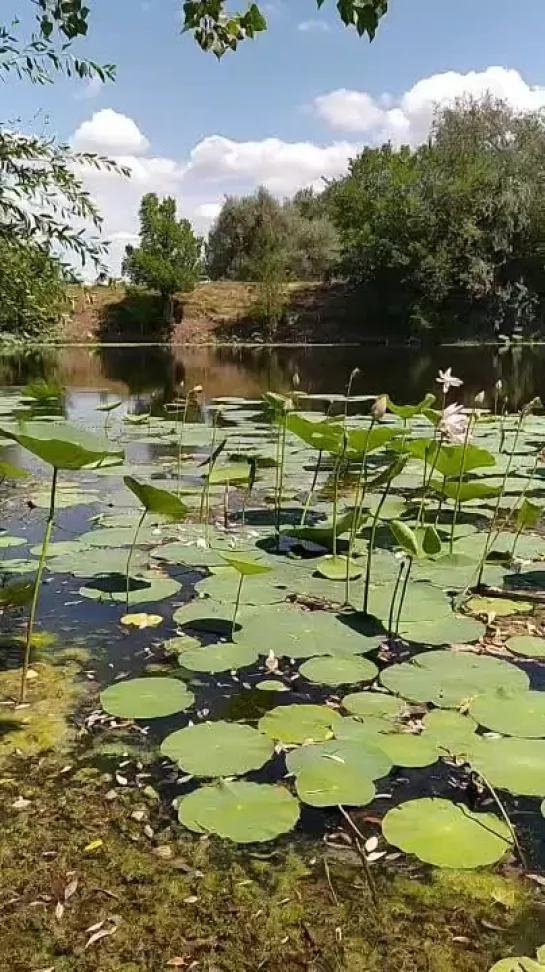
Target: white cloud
x,y
314,27
407,118
110,132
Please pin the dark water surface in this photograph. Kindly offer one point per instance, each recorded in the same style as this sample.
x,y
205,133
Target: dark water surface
x,y
405,373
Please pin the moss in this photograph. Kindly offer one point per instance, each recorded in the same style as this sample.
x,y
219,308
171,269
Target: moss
x,y
226,909
42,724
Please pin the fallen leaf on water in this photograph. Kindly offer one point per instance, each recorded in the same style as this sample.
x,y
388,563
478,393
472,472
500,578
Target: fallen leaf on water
x,y
371,845
20,803
93,846
100,932
59,910
141,621
177,962
191,900
70,889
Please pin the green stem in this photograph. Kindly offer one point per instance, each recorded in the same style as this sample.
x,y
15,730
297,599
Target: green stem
x,y
437,446
403,593
459,485
37,587
371,545
181,428
237,605
131,552
394,595
361,486
310,494
282,460
498,501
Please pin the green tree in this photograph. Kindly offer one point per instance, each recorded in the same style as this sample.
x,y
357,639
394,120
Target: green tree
x,y
168,259
32,291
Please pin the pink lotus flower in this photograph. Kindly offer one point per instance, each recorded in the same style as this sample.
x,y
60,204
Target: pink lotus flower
x,y
454,423
448,381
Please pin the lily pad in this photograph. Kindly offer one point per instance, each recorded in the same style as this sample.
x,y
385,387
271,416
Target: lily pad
x,y
143,588
511,713
141,621
446,834
500,606
240,811
218,749
271,685
146,698
516,765
223,586
526,645
293,633
329,784
366,759
449,678
336,568
299,723
339,670
407,749
452,630
450,731
221,657
374,704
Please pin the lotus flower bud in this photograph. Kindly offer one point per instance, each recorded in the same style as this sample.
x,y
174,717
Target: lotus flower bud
x,y
479,399
380,408
499,385
295,380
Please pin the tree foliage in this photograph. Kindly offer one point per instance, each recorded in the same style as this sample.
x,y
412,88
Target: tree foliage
x,y
168,259
256,233
32,291
449,236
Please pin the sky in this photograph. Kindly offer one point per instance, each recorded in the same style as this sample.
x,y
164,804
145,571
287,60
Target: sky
x,y
285,111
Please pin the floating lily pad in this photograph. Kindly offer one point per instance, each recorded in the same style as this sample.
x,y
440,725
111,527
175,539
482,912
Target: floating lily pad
x,y
6,542
221,657
293,633
271,685
446,834
500,606
452,630
205,614
142,589
338,670
449,678
299,723
223,586
450,731
374,704
406,749
365,758
337,568
119,536
141,621
423,602
526,645
146,698
218,749
518,964
516,765
240,811
329,784
511,713
368,731
188,555
97,562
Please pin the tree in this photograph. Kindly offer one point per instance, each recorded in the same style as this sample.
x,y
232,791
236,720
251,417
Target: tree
x,y
32,290
168,259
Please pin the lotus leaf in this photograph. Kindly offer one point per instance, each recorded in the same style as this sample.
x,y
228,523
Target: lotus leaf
x,y
6,542
517,964
240,811
365,758
329,784
451,732
118,536
339,670
157,500
337,568
234,474
526,645
245,566
204,614
143,588
271,685
516,765
375,704
500,606
146,698
368,731
222,586
465,492
218,749
511,713
406,749
293,633
221,657
452,630
141,621
64,499
97,562
62,445
446,834
450,678
188,555
422,603
300,723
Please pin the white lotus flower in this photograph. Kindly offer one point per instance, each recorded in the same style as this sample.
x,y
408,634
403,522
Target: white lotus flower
x,y
454,423
448,381
271,662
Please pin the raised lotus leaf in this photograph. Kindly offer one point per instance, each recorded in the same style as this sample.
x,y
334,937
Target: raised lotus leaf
x,y
218,749
300,723
239,811
447,834
448,679
146,698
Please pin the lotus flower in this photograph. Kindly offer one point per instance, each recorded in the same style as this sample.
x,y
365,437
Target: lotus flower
x,y
454,423
448,381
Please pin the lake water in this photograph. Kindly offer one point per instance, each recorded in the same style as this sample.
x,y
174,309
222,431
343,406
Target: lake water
x,y
404,373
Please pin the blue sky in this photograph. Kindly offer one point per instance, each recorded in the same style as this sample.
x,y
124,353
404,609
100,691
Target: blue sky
x,y
286,108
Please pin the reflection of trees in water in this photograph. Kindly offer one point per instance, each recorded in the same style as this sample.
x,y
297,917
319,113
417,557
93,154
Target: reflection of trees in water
x,y
22,367
152,374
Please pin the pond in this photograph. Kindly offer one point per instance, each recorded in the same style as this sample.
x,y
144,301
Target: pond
x,y
274,621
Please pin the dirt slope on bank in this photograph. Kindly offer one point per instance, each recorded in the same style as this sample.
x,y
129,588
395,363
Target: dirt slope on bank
x,y
214,312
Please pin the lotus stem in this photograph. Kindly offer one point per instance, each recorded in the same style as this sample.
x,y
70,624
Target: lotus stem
x,y
237,605
226,506
310,494
358,506
361,854
403,594
181,429
37,587
394,596
459,484
499,499
426,486
371,545
504,814
131,552
282,432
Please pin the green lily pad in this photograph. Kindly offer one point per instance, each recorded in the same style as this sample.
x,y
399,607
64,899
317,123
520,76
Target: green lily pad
x,y
516,765
119,536
423,602
143,588
336,568
7,542
511,713
339,670
271,685
146,698
299,723
328,784
500,606
221,657
218,749
223,586
526,645
446,834
450,731
204,614
517,964
188,555
406,749
447,679
387,707
97,562
293,633
240,811
452,630
362,754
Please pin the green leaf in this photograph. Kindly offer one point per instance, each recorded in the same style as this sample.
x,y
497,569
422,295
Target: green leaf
x,y
408,412
516,765
156,500
361,442
338,670
528,515
221,657
7,471
325,436
329,784
245,566
234,474
465,491
405,537
527,645
454,460
61,445
239,811
299,723
430,541
218,749
445,834
366,759
407,749
337,568
146,698
511,713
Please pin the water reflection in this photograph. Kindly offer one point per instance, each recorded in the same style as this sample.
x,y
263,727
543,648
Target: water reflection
x,y
152,375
